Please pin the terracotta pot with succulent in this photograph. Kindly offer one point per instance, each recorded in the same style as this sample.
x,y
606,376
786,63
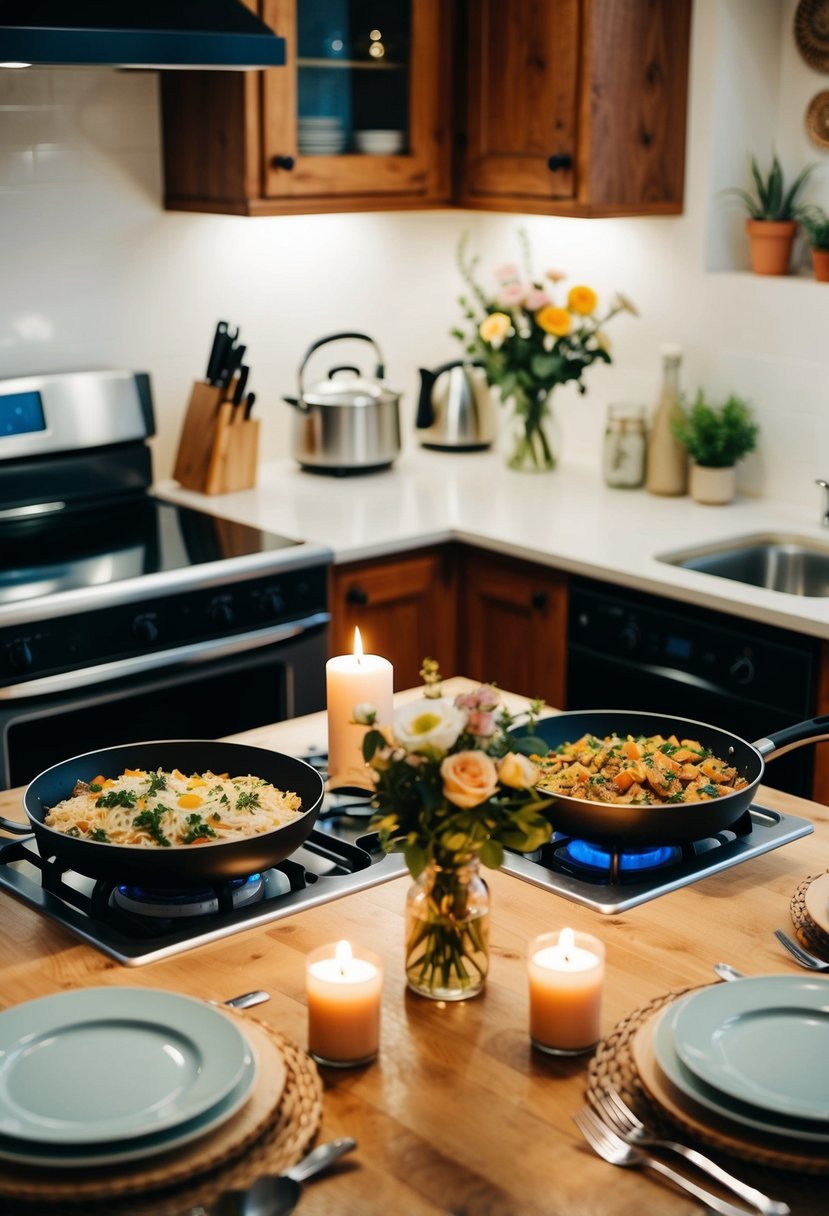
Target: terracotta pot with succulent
x,y
716,437
773,216
815,223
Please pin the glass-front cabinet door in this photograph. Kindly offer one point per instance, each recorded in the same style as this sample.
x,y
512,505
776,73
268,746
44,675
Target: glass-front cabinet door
x,y
357,110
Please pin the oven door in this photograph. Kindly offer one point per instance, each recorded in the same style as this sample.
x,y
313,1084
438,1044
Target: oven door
x,y
199,692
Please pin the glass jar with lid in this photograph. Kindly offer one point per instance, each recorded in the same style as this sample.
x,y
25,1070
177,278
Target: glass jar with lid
x,y
625,441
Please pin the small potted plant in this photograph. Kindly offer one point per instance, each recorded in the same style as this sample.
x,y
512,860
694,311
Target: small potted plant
x,y
815,223
772,216
716,437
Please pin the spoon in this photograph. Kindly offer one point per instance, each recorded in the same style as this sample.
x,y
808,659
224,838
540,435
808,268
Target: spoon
x,y
726,972
278,1194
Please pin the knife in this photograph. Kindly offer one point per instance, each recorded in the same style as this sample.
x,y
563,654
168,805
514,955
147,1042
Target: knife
x,y
249,405
232,361
216,358
239,390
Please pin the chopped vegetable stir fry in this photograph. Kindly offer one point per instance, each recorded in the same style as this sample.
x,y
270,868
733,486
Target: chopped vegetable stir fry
x,y
637,770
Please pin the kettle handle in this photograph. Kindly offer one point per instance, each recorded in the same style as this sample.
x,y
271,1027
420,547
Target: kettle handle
x,y
380,370
447,367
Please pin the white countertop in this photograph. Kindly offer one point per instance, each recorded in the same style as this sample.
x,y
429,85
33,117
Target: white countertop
x,y
567,519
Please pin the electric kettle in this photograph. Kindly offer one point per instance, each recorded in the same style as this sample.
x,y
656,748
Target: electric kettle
x,y
455,410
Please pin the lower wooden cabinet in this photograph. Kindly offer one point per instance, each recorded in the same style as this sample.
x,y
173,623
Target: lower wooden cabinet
x,y
512,625
405,609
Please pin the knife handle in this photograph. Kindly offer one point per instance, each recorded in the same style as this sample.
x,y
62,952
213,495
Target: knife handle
x,y
216,357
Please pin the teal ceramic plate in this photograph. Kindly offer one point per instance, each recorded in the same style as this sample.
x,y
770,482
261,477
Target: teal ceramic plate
x,y
117,1152
704,1096
763,1040
99,1065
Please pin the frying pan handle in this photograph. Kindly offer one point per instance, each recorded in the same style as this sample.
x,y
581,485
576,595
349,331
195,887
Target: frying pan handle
x,y
17,829
813,730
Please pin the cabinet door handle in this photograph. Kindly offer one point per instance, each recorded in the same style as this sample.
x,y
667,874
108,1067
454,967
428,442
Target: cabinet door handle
x,y
539,600
356,595
282,162
561,160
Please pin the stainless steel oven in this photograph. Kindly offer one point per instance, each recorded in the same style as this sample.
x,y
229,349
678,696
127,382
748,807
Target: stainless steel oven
x,y
125,617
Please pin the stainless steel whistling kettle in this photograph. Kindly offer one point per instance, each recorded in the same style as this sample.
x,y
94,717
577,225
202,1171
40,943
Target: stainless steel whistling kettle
x,y
455,410
348,423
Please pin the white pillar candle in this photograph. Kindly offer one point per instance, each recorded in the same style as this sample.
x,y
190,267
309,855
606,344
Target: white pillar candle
x,y
352,680
343,986
566,974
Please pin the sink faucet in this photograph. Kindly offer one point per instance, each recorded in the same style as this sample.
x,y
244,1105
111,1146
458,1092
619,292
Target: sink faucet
x,y
825,487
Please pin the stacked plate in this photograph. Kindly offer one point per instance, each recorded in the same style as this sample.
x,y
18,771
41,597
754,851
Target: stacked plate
x,y
753,1053
101,1076
321,136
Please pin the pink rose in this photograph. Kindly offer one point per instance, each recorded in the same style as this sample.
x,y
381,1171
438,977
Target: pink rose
x,y
469,778
510,295
537,299
481,723
507,273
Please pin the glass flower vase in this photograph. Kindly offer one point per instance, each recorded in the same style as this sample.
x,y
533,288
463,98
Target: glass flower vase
x,y
532,447
447,931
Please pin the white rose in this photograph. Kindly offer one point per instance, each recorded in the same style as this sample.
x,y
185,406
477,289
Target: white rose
x,y
518,772
365,714
436,723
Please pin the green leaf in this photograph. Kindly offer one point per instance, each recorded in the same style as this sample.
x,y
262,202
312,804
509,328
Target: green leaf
x,y
373,740
416,859
492,854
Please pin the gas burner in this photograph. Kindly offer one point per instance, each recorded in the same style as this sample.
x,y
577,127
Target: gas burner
x,y
170,905
596,860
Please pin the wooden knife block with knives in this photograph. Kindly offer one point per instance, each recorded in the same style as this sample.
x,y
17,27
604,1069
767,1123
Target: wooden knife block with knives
x,y
219,445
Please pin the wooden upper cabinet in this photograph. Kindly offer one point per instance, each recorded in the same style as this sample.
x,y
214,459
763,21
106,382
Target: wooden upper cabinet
x,y
356,119
574,107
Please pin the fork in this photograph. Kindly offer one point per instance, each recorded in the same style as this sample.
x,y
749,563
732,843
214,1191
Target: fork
x,y
622,1119
807,960
604,1141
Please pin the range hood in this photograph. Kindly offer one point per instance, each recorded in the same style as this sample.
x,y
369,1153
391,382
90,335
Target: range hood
x,y
220,34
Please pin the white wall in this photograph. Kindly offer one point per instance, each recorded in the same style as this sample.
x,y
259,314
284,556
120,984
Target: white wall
x,y
95,273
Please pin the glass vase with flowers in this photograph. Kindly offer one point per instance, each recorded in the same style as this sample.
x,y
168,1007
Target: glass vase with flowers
x,y
453,787
530,337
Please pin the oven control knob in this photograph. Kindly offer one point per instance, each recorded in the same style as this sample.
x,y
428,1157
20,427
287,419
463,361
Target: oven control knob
x,y
273,603
742,670
220,612
629,636
20,655
144,628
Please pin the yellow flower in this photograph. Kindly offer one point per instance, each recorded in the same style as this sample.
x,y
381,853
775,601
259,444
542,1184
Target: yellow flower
x,y
582,300
552,320
495,327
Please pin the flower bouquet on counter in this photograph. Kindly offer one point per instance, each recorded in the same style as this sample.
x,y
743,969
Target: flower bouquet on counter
x,y
452,789
529,340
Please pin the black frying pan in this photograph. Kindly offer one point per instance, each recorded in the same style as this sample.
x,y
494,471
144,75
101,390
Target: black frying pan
x,y
185,865
625,824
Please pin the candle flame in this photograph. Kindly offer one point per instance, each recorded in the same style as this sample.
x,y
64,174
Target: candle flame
x,y
567,942
358,645
343,957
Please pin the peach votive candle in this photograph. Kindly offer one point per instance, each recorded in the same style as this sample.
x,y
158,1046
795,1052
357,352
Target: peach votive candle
x,y
566,976
343,986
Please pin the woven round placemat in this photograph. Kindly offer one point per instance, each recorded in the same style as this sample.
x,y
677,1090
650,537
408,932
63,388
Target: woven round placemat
x,y
614,1065
809,934
811,33
278,1140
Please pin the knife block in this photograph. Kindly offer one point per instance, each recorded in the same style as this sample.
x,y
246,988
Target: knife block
x,y
218,448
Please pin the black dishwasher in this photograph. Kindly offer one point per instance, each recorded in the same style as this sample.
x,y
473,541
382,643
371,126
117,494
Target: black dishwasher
x,y
631,650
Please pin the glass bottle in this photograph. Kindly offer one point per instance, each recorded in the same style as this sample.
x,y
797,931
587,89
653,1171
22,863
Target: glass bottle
x,y
623,456
667,460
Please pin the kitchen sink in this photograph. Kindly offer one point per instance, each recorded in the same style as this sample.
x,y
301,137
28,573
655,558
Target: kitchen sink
x,y
795,565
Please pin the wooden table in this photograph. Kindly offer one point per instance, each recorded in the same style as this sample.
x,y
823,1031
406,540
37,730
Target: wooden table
x,y
458,1114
